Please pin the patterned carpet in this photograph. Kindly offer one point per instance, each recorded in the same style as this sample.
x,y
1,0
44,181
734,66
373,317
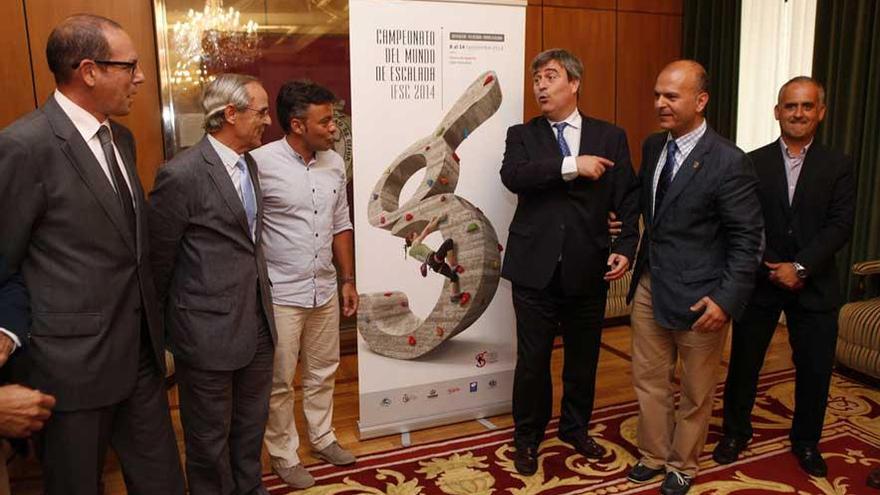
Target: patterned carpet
x,y
481,464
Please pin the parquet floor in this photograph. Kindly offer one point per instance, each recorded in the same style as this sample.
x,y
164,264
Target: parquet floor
x,y
614,385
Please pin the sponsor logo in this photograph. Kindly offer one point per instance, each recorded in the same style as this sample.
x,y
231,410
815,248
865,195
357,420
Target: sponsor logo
x,y
386,402
408,398
432,394
485,357
473,387
493,383
453,390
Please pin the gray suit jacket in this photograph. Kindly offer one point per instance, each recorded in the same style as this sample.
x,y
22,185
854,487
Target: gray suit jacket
x,y
211,277
705,240
89,279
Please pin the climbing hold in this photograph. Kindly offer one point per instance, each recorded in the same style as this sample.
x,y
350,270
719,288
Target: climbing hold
x,y
408,217
439,331
456,158
459,269
473,227
382,219
411,340
465,298
443,180
500,247
488,80
387,294
440,131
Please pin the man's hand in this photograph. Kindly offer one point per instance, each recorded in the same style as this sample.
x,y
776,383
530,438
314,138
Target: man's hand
x,y
349,298
618,264
23,410
713,319
6,348
592,167
784,275
615,226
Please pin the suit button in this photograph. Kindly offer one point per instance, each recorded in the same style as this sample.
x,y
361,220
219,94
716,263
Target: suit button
x,y
562,227
790,231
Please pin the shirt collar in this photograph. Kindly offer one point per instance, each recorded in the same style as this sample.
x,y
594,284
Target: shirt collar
x,y
227,155
84,122
691,137
299,157
785,150
574,120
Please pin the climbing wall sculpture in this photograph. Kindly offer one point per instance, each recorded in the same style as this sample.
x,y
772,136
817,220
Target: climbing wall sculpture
x,y
385,320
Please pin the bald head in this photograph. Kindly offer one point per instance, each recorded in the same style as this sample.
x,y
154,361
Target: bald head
x,y
681,94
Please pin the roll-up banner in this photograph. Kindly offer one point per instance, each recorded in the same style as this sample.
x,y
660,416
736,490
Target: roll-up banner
x,y
435,85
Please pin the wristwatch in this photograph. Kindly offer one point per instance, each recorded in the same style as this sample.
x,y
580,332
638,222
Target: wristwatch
x,y
800,270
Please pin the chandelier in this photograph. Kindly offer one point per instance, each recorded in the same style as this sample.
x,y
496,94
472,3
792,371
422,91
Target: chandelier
x,y
213,40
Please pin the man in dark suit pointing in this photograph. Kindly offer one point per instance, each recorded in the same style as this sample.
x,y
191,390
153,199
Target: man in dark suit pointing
x,y
568,172
808,198
694,272
73,223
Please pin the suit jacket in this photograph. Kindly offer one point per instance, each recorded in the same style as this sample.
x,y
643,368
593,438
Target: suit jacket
x,y
210,275
88,277
705,240
812,229
14,310
557,218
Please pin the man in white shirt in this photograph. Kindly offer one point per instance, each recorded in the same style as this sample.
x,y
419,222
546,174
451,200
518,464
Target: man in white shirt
x,y
307,226
73,219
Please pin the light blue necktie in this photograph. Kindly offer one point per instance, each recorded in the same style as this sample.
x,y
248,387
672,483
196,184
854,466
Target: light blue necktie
x,y
247,194
560,138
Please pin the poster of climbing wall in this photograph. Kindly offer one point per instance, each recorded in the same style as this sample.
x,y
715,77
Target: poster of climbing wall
x,y
435,85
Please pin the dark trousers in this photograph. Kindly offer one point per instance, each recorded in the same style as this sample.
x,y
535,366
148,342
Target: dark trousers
x,y
812,336
224,415
540,316
73,445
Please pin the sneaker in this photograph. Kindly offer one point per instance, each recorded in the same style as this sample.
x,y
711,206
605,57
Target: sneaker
x,y
676,483
297,476
640,473
336,455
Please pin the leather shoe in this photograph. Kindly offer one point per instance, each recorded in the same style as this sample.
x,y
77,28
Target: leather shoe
x,y
873,479
811,461
641,473
728,450
585,445
676,483
296,476
525,460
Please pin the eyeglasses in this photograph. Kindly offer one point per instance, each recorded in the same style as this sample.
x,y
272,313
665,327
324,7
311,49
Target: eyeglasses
x,y
262,113
131,67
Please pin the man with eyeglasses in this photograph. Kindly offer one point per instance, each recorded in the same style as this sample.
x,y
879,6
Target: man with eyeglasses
x,y
307,228
206,238
73,223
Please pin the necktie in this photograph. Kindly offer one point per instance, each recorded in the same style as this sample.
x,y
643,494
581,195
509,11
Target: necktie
x,y
665,174
247,194
116,177
560,138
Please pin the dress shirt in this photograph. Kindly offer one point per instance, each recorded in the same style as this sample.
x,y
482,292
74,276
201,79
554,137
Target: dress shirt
x,y
684,145
793,166
572,135
87,126
304,207
230,158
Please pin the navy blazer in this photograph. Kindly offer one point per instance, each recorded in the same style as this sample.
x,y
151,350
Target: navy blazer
x,y
705,240
556,218
811,230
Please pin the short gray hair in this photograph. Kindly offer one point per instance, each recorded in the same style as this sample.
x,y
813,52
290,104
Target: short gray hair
x,y
803,79
573,66
225,89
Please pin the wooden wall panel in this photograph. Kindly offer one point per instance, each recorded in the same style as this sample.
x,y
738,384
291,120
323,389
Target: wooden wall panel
x,y
590,35
137,19
16,83
581,4
645,44
651,6
533,47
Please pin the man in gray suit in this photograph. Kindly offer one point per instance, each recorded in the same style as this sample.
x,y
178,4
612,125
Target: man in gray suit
x,y
73,223
694,271
205,232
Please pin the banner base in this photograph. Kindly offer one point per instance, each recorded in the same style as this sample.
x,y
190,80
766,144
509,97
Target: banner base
x,y
404,426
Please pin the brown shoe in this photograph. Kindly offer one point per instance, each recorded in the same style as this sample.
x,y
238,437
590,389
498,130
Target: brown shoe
x,y
297,476
336,455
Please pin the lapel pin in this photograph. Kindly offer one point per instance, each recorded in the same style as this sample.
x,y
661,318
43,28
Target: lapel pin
x,y
696,165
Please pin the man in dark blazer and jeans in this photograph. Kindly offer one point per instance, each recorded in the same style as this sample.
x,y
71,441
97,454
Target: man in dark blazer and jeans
x,y
808,198
568,172
73,223
206,236
695,270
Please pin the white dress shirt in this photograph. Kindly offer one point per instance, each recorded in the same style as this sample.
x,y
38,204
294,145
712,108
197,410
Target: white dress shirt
x,y
572,135
684,145
230,158
304,206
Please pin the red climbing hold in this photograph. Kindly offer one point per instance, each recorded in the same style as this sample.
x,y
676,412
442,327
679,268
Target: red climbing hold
x,y
411,340
489,79
456,158
459,269
443,180
442,199
439,331
387,294
465,298
404,304
500,248
408,217
382,219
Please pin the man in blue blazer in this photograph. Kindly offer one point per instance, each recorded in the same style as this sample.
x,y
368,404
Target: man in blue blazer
x,y
694,271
